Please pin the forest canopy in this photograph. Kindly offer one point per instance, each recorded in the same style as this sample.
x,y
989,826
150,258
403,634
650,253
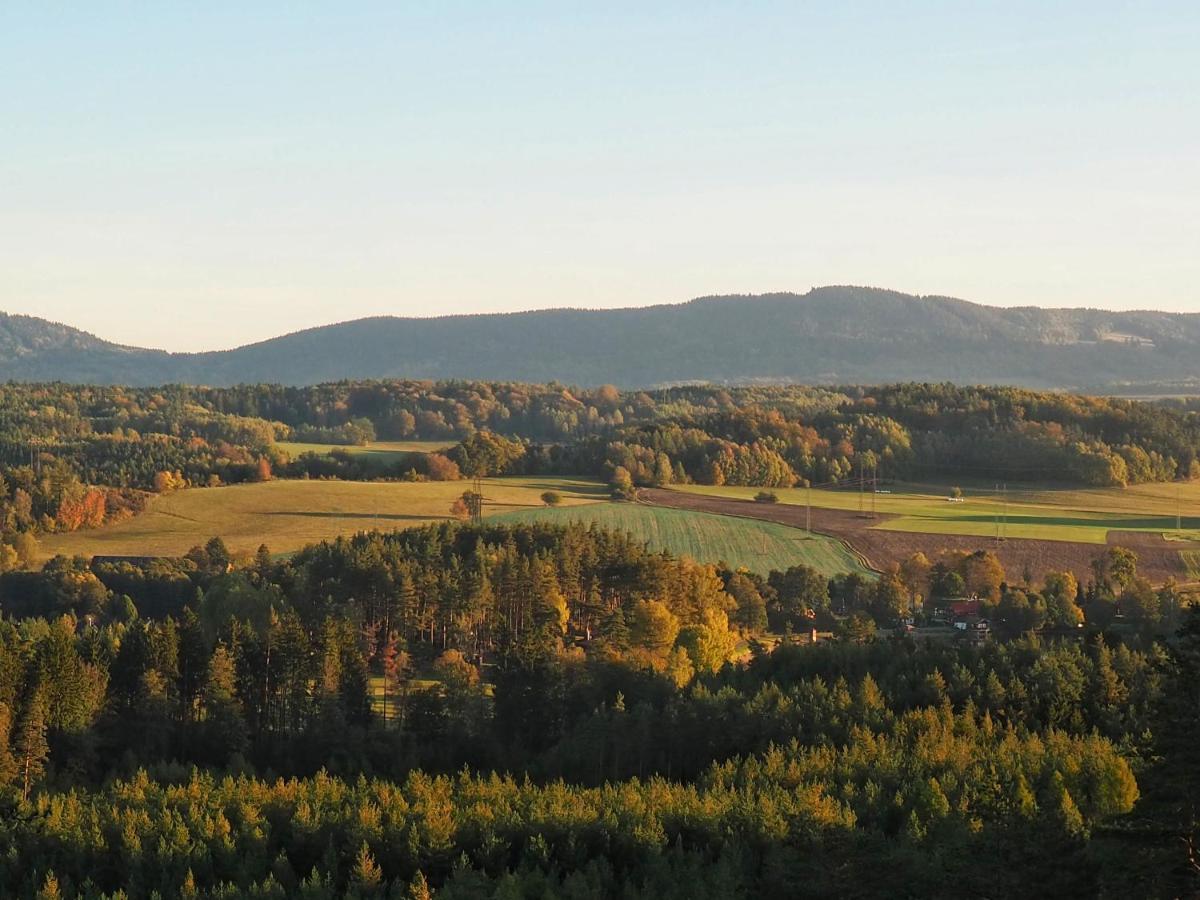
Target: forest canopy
x,y
334,724
557,710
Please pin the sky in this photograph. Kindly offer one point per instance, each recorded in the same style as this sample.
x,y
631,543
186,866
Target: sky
x,y
200,176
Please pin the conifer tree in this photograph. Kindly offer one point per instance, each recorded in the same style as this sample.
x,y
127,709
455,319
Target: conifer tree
x,y
418,888
365,875
8,763
1172,784
32,749
614,631
50,889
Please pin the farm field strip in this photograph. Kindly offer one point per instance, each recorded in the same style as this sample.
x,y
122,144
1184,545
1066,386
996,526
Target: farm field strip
x,y
757,545
1083,516
287,514
1159,559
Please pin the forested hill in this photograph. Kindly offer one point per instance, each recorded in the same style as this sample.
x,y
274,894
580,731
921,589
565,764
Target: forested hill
x,y
829,335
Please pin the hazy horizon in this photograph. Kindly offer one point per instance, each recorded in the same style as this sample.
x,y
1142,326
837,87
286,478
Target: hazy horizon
x,y
575,308
197,179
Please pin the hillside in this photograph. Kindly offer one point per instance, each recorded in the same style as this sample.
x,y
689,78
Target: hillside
x,y
33,349
830,335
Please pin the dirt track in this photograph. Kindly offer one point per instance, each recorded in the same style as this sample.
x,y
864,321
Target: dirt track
x,y
1157,558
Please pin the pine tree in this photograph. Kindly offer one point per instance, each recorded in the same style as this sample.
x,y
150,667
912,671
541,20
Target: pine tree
x,y
614,630
1171,785
263,565
316,886
406,602
418,888
188,890
8,763
366,876
32,747
49,889
193,664
224,728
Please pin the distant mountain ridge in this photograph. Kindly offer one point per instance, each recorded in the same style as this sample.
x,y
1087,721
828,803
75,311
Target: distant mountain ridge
x,y
839,335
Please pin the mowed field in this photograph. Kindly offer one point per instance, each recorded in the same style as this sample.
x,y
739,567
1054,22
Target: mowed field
x,y
380,453
1082,516
756,545
286,515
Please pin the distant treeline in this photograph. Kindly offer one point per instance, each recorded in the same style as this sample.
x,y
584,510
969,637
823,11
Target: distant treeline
x,y
73,456
779,437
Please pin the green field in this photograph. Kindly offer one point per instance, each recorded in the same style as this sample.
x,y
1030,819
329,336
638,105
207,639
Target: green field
x,y
381,453
286,515
756,545
1085,515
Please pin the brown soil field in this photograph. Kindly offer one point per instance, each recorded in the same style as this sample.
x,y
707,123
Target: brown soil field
x,y
1158,559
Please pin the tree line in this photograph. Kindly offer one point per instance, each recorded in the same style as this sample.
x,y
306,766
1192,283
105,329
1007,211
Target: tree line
x,y
76,457
121,437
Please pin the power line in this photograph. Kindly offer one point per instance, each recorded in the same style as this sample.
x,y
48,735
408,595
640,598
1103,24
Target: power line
x,y
874,485
861,484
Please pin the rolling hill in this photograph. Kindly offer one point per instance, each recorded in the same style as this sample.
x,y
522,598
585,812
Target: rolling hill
x,y
829,335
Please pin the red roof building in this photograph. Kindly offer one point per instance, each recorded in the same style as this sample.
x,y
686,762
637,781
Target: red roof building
x,y
962,609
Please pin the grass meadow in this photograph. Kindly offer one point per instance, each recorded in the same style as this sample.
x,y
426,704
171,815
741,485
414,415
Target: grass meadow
x,y
287,514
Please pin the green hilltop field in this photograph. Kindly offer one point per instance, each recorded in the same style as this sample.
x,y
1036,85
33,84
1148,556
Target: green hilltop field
x,y
755,545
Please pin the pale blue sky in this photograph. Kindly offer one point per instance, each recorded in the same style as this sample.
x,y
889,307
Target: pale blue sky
x,y
204,175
